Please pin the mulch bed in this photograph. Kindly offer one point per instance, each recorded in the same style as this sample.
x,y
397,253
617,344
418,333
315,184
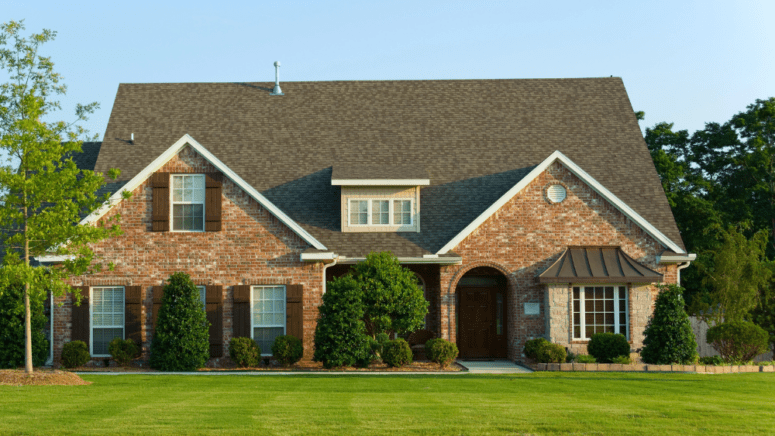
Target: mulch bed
x,y
40,377
304,366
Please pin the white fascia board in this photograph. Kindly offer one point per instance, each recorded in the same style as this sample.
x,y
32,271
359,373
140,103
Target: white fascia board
x,y
165,157
55,258
689,257
312,257
380,182
580,173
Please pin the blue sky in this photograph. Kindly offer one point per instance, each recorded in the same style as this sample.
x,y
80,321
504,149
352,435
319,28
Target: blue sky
x,y
684,62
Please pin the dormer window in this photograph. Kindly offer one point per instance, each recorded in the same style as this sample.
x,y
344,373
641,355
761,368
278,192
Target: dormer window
x,y
378,212
188,202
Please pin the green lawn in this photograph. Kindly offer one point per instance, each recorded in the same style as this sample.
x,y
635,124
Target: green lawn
x,y
541,403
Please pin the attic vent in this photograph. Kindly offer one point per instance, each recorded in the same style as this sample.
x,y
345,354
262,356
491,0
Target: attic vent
x,y
556,193
277,90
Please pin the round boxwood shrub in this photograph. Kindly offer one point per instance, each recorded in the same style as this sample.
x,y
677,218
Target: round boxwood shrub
x,y
181,340
584,358
606,346
397,353
551,353
669,337
532,346
738,341
123,351
75,354
12,328
340,335
244,352
441,351
287,349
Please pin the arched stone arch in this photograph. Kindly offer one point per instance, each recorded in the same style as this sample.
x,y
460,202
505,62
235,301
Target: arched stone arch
x,y
478,264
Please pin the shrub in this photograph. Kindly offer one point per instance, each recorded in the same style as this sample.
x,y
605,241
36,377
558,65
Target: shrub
x,y
669,337
585,358
244,352
397,353
12,351
551,353
340,335
123,351
287,349
738,341
606,346
623,360
75,354
378,343
570,357
712,360
441,351
532,346
181,340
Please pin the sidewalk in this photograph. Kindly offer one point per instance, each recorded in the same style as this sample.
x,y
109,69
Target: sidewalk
x,y
493,367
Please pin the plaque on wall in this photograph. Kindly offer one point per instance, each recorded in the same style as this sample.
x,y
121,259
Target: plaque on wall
x,y
532,309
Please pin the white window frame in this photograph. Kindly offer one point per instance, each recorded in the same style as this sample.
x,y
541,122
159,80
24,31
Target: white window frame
x,y
582,309
390,201
173,202
91,319
253,325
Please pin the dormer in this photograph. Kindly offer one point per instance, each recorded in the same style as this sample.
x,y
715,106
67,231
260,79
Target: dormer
x,y
383,198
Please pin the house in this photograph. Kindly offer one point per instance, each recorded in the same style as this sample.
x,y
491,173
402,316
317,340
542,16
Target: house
x,y
527,208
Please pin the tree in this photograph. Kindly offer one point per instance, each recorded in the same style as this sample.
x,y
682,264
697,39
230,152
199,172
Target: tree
x,y
764,314
735,271
340,335
668,336
43,192
12,340
392,300
181,339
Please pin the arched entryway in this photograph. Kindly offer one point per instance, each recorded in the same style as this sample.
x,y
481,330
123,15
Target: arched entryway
x,y
482,314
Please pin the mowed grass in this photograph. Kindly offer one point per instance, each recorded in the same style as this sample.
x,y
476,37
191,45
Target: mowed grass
x,y
540,403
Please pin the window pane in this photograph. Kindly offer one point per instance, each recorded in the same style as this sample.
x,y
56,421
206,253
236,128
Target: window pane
x,y
265,336
102,337
576,293
599,293
609,292
576,305
577,332
402,212
380,212
203,297
359,212
609,305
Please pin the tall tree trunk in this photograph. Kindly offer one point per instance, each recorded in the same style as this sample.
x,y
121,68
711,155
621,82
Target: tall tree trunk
x,y
27,314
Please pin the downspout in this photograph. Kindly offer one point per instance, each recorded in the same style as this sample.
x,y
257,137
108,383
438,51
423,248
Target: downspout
x,y
679,268
325,267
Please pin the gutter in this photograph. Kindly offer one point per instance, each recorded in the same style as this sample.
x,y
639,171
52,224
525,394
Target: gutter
x,y
683,261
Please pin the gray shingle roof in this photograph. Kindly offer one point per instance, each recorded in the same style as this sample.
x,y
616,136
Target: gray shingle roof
x,y
474,138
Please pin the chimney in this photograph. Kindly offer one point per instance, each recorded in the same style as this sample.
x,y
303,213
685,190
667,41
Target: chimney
x,y
276,90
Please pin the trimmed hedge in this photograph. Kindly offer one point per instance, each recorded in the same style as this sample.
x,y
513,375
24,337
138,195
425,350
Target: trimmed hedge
x,y
441,351
738,341
551,353
607,346
340,335
585,358
532,346
244,352
123,351
397,353
75,354
287,349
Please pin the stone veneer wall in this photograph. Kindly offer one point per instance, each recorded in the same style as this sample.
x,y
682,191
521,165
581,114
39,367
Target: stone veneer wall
x,y
253,248
527,235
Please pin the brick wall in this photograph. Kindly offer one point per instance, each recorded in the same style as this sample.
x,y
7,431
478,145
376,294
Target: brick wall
x,y
526,236
253,248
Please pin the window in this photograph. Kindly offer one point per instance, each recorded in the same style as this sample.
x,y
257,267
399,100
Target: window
x,y
188,202
379,212
107,317
203,297
268,316
599,309
402,212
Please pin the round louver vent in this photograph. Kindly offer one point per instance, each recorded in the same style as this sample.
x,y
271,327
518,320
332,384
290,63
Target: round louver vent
x,y
556,193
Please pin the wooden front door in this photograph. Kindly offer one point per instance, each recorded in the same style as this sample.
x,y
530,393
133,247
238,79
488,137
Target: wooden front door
x,y
477,322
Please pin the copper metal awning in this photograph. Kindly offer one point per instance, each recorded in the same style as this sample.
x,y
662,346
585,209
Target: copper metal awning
x,y
597,265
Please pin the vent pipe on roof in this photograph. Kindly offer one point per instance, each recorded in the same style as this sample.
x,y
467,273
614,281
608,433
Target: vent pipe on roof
x,y
277,90
132,138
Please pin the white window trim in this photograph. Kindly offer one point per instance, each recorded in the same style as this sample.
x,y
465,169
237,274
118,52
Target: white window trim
x,y
285,312
91,319
173,203
582,309
391,221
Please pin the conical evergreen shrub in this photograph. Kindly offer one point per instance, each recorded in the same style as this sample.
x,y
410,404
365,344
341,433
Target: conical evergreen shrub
x,y
181,339
669,336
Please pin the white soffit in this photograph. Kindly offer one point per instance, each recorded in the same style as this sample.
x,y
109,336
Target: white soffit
x,y
580,173
165,157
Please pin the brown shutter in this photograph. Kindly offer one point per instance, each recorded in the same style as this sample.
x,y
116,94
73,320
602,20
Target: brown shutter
x,y
213,191
158,293
294,310
161,202
80,318
241,311
133,322
214,305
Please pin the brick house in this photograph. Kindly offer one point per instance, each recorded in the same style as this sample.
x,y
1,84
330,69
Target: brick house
x,y
526,208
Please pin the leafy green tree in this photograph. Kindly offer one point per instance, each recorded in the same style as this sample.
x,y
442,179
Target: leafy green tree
x,y
43,193
181,340
392,299
668,336
764,314
12,349
340,335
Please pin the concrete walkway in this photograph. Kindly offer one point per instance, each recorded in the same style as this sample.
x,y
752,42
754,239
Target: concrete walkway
x,y
493,367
